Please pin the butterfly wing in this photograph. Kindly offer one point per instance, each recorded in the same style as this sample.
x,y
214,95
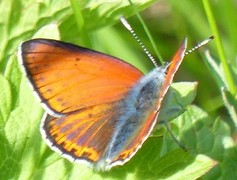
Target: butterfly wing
x,y
172,69
82,135
86,117
68,77
82,89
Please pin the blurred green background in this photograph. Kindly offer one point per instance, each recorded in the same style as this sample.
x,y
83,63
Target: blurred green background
x,y
95,24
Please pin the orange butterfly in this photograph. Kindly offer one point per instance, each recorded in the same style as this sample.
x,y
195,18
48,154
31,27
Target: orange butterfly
x,y
101,108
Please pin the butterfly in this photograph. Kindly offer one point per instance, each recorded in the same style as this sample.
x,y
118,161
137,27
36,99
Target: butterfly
x,y
100,109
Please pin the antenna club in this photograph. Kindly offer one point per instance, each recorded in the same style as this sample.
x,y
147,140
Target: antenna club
x,y
126,24
206,41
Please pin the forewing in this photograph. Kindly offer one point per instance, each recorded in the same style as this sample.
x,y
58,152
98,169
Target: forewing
x,y
68,77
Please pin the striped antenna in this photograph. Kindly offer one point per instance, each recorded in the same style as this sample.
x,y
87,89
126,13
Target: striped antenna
x,y
127,25
200,45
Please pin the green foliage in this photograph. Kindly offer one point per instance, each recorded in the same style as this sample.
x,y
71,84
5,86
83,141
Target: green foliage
x,y
179,96
211,151
224,73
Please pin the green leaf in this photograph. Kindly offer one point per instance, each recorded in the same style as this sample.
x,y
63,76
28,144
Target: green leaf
x,y
179,96
216,70
178,164
6,99
202,134
104,11
95,15
49,31
228,98
22,19
230,104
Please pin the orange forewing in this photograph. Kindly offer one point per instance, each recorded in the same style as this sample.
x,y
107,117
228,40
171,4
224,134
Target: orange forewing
x,y
68,77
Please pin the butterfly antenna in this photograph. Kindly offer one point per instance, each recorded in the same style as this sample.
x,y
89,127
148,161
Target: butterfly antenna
x,y
200,45
127,25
